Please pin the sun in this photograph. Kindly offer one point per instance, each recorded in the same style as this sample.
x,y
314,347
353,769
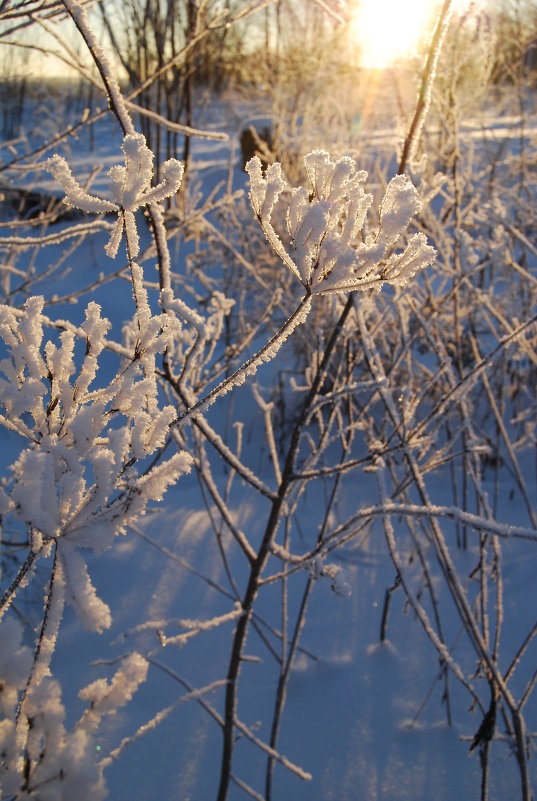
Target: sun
x,y
388,30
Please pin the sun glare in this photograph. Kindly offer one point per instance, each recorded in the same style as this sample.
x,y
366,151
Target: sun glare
x,y
388,30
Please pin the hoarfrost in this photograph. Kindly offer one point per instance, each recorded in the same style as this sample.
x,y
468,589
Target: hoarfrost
x,y
328,250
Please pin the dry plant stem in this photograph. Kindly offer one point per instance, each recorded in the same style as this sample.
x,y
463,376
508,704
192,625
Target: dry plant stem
x,y
495,313
377,371
497,574
420,612
451,396
450,574
528,691
49,600
217,529
217,442
248,366
484,589
246,788
205,476
518,656
119,109
386,607
422,106
9,594
287,658
434,602
266,408
484,753
506,440
457,267
258,565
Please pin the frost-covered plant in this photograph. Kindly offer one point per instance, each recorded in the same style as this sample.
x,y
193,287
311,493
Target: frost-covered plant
x,y
39,757
130,186
83,475
93,456
83,478
328,248
401,387
95,453
93,459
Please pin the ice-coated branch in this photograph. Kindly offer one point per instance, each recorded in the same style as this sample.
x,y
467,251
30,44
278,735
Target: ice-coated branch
x,y
231,458
115,98
269,431
343,533
11,591
272,752
156,720
425,91
73,231
195,627
250,367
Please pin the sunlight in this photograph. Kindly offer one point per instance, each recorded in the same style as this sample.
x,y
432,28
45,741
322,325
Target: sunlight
x,y
388,30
